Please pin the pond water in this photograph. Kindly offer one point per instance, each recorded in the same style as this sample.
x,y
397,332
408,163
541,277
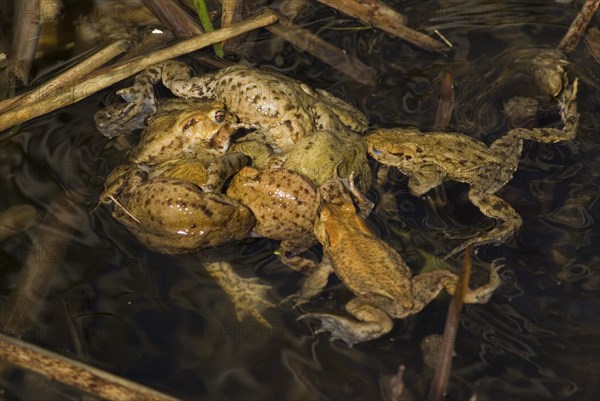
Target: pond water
x,y
161,320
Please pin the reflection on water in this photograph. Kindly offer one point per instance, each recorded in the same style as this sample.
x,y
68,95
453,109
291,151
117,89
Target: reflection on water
x,y
162,321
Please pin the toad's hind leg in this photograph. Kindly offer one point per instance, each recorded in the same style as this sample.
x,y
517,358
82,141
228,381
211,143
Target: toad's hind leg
x,y
314,283
497,208
372,323
222,168
427,286
568,115
140,103
180,79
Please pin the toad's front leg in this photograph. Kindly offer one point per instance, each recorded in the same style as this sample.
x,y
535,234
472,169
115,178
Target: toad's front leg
x,y
222,168
497,208
371,322
182,81
314,284
140,103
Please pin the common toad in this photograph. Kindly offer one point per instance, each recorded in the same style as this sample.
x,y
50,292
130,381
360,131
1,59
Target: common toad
x,y
384,285
430,158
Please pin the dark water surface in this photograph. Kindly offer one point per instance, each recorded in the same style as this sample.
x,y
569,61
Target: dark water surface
x,y
162,321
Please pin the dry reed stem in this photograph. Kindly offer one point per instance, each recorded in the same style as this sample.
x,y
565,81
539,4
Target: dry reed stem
x,y
74,73
381,16
75,374
439,383
324,51
108,76
578,26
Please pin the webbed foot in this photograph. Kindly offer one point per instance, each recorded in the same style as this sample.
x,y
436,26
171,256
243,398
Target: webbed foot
x,y
297,299
125,117
370,323
482,294
348,330
247,294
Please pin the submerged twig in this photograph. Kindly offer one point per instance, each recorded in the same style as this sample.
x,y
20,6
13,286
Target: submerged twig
x,y
578,26
75,374
66,78
27,22
233,11
397,383
113,74
381,16
592,43
324,50
45,255
446,102
440,379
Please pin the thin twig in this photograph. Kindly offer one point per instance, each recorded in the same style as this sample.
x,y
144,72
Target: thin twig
x,y
49,241
446,102
381,16
74,73
324,50
108,76
75,374
592,43
578,26
439,383
27,22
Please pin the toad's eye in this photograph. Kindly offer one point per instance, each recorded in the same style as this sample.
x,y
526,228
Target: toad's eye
x,y
190,124
220,116
376,151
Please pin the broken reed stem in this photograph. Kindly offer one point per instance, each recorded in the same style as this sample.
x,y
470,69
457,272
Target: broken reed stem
x,y
75,374
381,16
53,233
28,23
578,26
323,50
446,102
592,43
108,76
439,383
74,73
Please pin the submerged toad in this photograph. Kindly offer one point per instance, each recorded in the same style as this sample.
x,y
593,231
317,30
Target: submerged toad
x,y
428,159
285,109
376,273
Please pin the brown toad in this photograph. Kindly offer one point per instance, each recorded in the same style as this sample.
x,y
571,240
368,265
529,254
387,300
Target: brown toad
x,y
428,159
171,215
319,156
285,205
384,285
284,108
168,194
